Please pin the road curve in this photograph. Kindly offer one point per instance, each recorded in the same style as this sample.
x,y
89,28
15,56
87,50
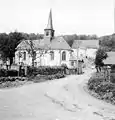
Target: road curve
x,y
63,99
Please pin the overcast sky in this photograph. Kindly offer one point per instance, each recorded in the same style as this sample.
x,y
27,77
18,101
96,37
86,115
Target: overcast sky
x,y
69,16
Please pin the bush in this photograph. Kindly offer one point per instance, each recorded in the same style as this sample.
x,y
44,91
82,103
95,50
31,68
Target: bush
x,y
11,79
3,72
6,73
104,89
44,70
8,82
42,78
12,73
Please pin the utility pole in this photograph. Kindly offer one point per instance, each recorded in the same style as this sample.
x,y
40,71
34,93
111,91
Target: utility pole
x,y
114,16
78,43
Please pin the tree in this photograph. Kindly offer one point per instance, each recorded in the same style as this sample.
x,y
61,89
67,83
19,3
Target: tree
x,y
8,43
100,56
108,42
34,51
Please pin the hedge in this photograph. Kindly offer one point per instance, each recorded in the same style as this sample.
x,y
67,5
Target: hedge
x,y
11,79
103,89
6,73
40,78
9,82
44,70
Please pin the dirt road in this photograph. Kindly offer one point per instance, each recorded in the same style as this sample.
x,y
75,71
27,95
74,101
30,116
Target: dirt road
x,y
63,99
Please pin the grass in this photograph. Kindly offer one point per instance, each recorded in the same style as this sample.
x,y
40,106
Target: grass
x,y
101,88
11,82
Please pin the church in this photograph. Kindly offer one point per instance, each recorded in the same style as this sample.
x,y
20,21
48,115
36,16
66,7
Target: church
x,y
49,51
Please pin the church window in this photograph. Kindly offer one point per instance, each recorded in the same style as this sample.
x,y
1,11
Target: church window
x,y
47,33
52,55
24,55
64,55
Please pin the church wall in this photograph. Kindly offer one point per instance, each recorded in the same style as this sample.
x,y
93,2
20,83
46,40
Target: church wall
x,y
47,59
27,61
67,62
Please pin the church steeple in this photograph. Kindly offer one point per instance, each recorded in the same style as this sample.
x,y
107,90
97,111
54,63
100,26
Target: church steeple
x,y
50,25
49,32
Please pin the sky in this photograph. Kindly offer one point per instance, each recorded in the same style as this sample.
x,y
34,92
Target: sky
x,y
69,16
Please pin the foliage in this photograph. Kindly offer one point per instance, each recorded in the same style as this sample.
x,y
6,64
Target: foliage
x,y
8,82
32,36
32,50
44,70
103,89
8,43
100,56
108,42
6,73
3,73
41,78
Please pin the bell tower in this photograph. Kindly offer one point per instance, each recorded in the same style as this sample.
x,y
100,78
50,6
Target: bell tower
x,y
49,32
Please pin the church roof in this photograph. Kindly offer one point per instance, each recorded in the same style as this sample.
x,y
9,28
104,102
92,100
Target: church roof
x,y
36,44
58,43
54,44
85,44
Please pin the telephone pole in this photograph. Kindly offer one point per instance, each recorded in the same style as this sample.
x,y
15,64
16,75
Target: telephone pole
x,y
114,16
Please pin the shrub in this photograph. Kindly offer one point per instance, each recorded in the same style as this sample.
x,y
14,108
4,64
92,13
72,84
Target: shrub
x,y
3,72
11,79
12,73
104,89
40,78
44,70
6,73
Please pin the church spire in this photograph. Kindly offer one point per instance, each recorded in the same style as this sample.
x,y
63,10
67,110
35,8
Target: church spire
x,y
49,32
50,25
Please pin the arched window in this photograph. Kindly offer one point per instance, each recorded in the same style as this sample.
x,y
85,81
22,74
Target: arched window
x,y
64,55
52,55
24,55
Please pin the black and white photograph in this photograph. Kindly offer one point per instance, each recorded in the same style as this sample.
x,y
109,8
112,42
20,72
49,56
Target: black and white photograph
x,y
57,59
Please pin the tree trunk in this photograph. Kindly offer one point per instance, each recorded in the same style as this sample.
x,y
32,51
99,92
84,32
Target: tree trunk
x,y
32,62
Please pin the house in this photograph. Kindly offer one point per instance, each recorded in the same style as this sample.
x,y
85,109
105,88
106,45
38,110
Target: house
x,y
85,48
49,51
109,65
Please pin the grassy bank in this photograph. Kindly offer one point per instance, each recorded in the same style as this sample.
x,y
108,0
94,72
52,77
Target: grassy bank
x,y
102,89
10,82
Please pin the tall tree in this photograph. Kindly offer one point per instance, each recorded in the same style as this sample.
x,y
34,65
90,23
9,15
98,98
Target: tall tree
x,y
100,56
8,43
34,51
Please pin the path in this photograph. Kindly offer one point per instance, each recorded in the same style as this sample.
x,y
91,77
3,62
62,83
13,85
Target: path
x,y
63,99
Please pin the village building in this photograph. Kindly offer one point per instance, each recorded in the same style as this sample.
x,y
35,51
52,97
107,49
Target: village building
x,y
109,66
85,48
49,51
